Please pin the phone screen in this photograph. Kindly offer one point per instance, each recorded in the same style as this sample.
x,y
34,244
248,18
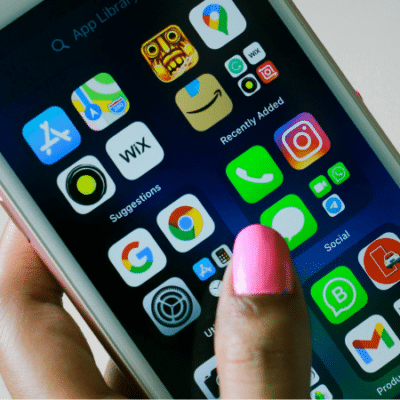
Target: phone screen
x,y
150,133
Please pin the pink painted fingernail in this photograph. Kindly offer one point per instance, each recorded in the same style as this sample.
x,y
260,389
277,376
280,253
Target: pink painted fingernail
x,y
261,262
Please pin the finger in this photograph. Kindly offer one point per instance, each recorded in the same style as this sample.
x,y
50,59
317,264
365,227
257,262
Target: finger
x,y
125,386
262,336
43,353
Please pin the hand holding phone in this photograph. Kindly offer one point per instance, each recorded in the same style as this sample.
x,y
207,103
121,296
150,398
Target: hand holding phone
x,y
42,345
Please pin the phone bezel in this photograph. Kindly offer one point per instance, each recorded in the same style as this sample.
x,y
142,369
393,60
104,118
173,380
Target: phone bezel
x,y
76,283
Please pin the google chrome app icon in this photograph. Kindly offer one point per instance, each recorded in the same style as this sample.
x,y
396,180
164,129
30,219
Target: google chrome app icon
x,y
185,223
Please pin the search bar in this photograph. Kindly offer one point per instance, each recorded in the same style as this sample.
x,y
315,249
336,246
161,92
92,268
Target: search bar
x,y
59,45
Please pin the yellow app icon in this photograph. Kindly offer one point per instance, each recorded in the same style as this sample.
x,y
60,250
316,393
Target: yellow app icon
x,y
170,54
204,102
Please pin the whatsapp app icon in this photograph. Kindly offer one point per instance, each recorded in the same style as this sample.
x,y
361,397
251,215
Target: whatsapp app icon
x,y
339,295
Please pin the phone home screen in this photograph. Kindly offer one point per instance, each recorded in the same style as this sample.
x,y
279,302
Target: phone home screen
x,y
151,133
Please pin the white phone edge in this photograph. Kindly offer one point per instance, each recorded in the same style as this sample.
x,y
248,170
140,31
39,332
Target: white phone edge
x,y
66,269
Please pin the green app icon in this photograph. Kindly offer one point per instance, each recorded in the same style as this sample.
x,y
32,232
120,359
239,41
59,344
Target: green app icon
x,y
339,295
254,174
338,173
292,219
320,186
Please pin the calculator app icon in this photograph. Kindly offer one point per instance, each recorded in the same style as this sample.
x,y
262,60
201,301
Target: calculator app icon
x,y
222,255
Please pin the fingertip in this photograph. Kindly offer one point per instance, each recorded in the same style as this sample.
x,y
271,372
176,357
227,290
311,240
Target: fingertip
x,y
261,262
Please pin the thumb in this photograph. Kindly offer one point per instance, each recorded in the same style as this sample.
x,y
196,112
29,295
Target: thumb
x,y
262,335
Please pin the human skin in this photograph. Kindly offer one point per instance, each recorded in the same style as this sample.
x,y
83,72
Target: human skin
x,y
262,337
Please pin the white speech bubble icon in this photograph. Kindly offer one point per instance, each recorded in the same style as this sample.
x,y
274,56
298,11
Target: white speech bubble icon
x,y
288,222
340,310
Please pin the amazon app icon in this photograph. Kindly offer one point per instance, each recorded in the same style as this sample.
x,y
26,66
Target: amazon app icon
x,y
204,102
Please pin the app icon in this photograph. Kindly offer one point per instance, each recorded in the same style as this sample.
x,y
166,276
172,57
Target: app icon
x,y
170,54
86,185
292,219
206,377
373,343
215,288
249,85
217,22
381,261
333,205
302,141
236,66
267,72
204,102
254,53
137,257
185,223
171,306
314,377
338,173
320,186
254,174
100,101
339,295
222,255
204,269
51,135
135,150
396,306
321,392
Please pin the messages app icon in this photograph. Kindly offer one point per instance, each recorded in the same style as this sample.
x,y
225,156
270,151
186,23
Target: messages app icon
x,y
254,174
292,219
339,295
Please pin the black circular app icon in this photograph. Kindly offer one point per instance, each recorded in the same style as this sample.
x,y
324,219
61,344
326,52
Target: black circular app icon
x,y
86,184
249,85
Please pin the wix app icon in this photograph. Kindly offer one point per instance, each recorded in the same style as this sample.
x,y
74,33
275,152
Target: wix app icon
x,y
135,150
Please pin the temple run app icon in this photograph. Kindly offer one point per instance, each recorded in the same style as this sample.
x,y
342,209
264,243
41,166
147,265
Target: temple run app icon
x,y
217,22
51,135
381,261
170,54
100,102
302,141
373,343
185,223
204,102
137,257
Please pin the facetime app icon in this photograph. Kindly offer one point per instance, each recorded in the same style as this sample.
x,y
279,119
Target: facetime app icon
x,y
204,102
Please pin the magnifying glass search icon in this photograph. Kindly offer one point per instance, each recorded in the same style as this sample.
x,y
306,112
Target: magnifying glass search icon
x,y
59,45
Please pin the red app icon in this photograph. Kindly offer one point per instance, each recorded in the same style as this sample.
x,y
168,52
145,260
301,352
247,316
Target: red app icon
x,y
267,72
302,141
381,260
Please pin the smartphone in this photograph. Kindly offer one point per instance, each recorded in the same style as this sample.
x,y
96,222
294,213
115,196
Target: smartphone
x,y
140,137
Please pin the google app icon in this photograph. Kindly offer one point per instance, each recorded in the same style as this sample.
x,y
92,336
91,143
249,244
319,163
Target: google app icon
x,y
185,223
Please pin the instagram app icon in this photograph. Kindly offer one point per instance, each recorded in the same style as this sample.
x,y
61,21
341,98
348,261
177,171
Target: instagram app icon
x,y
302,141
